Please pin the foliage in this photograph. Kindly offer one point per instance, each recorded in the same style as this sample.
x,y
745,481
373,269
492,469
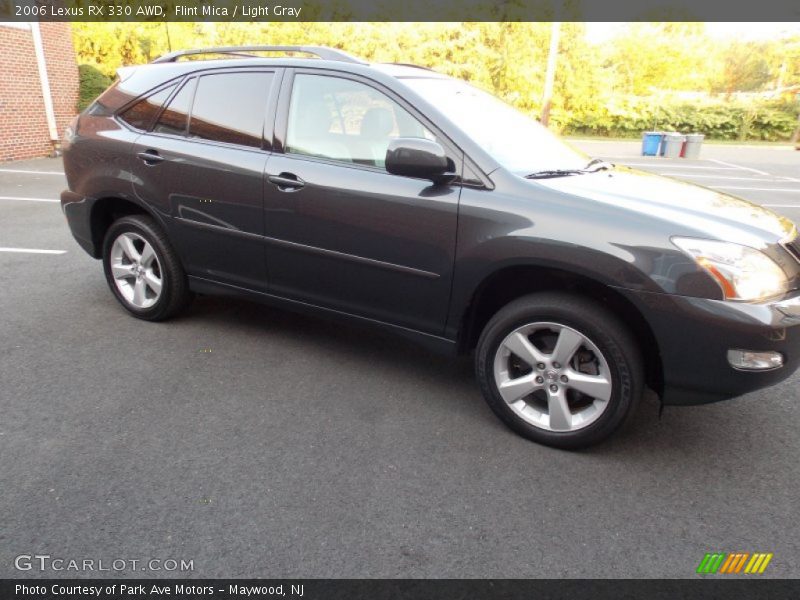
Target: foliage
x,y
621,86
744,68
92,83
769,120
658,56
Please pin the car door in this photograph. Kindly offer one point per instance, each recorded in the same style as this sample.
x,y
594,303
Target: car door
x,y
202,165
341,231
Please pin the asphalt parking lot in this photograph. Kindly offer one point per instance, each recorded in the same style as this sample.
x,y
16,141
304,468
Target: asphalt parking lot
x,y
260,443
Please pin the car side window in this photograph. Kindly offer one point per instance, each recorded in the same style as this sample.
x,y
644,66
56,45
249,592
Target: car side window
x,y
175,117
230,107
141,114
344,120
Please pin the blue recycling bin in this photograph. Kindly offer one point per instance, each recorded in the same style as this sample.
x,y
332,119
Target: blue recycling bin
x,y
651,143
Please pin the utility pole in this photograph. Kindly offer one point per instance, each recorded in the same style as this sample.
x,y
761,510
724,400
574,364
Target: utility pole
x,y
550,76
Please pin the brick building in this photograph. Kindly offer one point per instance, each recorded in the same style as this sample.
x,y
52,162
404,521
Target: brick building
x,y
39,91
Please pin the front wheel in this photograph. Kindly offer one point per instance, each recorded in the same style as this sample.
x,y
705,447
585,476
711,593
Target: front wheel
x,y
142,269
559,369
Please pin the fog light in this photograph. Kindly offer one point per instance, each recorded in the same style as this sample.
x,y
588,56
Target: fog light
x,y
755,361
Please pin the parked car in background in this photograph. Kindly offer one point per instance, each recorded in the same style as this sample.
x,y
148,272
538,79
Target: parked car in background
x,y
394,195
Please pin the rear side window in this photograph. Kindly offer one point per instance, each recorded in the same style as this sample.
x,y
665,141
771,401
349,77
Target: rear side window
x,y
175,117
141,114
230,107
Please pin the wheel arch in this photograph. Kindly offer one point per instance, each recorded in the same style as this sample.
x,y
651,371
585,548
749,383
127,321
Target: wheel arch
x,y
107,209
514,281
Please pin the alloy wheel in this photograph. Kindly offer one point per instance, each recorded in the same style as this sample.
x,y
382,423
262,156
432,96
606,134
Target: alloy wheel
x,y
552,376
136,270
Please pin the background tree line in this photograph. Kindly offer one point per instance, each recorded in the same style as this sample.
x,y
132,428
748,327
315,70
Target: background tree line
x,y
650,75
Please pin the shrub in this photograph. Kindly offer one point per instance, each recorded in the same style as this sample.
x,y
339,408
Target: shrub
x,y
92,84
769,120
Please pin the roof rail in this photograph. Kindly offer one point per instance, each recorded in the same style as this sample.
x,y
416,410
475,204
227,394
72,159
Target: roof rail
x,y
399,64
243,51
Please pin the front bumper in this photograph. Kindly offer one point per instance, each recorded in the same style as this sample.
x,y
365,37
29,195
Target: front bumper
x,y
695,334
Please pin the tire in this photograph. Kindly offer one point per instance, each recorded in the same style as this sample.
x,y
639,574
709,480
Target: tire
x,y
135,283
554,407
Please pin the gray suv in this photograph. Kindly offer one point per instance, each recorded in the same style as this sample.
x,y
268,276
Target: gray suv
x,y
397,196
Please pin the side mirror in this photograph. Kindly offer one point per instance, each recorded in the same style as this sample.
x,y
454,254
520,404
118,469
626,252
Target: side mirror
x,y
418,157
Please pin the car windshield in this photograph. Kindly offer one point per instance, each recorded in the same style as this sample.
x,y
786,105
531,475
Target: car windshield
x,y
518,142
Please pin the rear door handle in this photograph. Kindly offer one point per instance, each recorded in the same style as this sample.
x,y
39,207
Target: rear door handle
x,y
151,157
287,181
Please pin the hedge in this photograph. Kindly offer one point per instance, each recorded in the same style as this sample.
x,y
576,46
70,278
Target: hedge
x,y
769,120
92,84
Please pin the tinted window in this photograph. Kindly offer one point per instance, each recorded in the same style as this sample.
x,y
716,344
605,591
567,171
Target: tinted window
x,y
230,107
141,114
174,118
345,120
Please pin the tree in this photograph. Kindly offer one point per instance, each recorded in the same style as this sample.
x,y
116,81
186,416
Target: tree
x,y
744,68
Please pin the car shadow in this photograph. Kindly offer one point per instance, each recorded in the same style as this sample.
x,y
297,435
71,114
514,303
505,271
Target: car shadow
x,y
328,335
676,433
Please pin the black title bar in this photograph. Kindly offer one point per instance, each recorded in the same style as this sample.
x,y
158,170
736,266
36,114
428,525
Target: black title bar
x,y
398,589
393,10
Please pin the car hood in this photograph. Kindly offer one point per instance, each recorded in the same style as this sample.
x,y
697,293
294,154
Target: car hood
x,y
695,210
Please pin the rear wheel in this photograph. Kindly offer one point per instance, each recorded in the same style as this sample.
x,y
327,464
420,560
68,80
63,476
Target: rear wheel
x,y
142,269
559,369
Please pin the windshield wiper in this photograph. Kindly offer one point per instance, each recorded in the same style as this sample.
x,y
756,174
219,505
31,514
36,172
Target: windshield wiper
x,y
599,165
554,173
595,165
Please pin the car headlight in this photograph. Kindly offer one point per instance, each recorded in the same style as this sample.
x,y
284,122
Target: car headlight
x,y
742,272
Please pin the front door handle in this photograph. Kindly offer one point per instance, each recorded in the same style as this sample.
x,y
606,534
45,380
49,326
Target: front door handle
x,y
151,157
287,182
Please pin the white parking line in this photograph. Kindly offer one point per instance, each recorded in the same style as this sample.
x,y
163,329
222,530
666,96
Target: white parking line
x,y
33,251
661,165
732,187
720,177
32,172
29,199
722,162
